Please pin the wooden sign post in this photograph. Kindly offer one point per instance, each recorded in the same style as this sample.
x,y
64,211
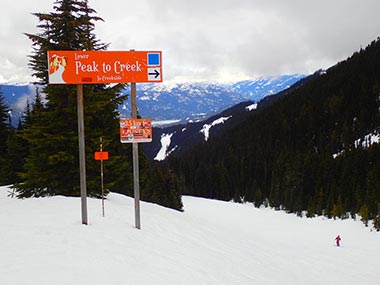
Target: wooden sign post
x,y
82,157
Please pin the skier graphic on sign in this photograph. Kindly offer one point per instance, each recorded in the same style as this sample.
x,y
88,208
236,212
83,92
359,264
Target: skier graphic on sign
x,y
57,65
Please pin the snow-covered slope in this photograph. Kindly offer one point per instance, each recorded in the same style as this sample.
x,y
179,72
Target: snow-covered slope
x,y
42,241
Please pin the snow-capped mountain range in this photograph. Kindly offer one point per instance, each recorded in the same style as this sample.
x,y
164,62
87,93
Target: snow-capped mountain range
x,y
174,102
198,101
16,97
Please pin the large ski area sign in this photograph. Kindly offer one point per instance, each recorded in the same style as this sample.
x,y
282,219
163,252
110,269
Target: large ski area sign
x,y
103,67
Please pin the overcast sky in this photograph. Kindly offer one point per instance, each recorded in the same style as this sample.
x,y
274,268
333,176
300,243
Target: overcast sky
x,y
224,40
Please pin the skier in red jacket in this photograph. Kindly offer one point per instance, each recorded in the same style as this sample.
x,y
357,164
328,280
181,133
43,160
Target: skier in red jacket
x,y
337,240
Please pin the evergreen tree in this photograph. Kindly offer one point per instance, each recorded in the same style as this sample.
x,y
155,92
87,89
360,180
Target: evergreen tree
x,y
310,209
16,153
159,185
4,116
337,210
364,213
376,220
52,165
18,147
4,135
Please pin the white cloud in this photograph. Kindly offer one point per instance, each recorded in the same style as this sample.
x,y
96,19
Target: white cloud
x,y
212,40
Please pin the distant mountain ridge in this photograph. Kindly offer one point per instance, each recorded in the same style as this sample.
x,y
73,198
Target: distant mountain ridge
x,y
199,100
182,102
16,96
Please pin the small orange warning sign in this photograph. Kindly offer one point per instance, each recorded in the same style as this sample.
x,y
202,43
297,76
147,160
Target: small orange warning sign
x,y
101,155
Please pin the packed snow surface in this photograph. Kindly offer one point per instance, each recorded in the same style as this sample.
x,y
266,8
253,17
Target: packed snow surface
x,y
42,241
